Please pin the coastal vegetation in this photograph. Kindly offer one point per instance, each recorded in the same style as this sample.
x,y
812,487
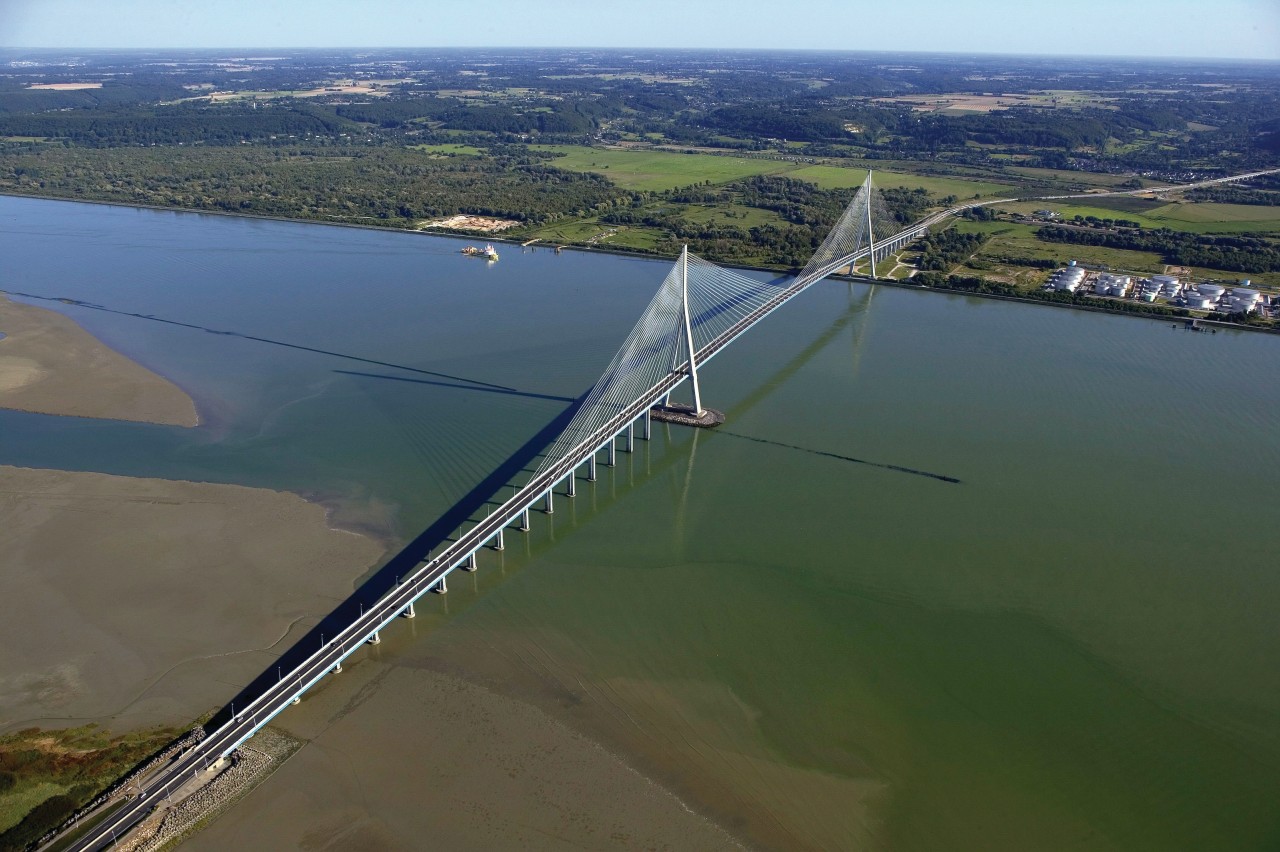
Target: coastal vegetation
x,y
747,159
45,776
1235,253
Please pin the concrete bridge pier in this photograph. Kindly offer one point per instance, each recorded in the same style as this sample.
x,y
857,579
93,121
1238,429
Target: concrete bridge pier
x,y
441,587
297,699
591,468
571,481
648,425
409,611
338,668
549,507
631,437
498,543
470,564
524,521
613,451
375,639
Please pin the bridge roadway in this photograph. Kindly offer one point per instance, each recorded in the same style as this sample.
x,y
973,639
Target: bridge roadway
x,y
462,552
459,554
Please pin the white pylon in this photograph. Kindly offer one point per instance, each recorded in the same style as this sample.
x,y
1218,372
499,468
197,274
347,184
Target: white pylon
x,y
688,330
866,194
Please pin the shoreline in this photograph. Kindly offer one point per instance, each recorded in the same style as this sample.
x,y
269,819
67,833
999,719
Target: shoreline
x,y
517,241
50,364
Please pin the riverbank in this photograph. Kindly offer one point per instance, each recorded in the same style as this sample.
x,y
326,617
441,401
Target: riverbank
x,y
596,249
50,365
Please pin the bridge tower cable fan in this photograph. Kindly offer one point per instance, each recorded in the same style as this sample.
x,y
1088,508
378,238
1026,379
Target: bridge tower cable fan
x,y
852,235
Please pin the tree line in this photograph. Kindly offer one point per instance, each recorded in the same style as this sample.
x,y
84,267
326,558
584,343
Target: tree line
x,y
1230,253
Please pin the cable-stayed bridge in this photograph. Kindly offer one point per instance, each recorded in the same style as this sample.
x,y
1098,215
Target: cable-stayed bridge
x,y
699,309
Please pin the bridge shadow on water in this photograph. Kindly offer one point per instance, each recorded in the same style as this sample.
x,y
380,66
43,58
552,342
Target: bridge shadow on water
x,y
456,386
301,348
408,559
483,495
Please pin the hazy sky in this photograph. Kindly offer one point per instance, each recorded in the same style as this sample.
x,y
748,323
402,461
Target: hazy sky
x,y
1192,28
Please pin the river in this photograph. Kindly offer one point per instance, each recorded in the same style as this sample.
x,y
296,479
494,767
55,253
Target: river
x,y
798,623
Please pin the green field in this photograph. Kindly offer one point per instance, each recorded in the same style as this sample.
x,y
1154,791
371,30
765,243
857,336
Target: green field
x,y
1017,240
838,177
660,170
1068,210
460,150
737,215
647,169
1210,217
1072,176
571,232
17,803
1196,217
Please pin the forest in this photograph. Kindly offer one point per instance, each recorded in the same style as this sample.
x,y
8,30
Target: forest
x,y
405,136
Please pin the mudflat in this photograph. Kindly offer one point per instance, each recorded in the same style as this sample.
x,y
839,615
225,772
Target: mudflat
x,y
449,764
133,601
50,365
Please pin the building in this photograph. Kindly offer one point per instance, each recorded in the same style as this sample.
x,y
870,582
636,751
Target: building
x,y
1213,291
1147,290
1107,284
1242,300
1167,286
1068,279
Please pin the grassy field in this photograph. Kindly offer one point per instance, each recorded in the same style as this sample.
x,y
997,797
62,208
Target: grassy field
x,y
1196,217
1068,210
632,237
660,170
461,150
738,215
838,177
1016,240
73,764
16,804
1208,217
1072,177
579,230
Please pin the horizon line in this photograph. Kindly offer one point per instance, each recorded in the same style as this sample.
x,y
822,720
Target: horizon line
x,y
1234,58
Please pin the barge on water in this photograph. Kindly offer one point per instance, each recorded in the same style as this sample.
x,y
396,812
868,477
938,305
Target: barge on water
x,y
488,252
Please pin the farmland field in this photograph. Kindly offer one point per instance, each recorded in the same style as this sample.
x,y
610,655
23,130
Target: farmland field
x,y
660,170
836,177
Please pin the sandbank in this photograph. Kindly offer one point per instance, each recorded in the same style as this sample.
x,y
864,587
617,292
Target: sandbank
x,y
50,365
133,601
452,765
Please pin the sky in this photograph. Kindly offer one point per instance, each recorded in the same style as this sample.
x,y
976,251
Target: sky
x,y
1246,29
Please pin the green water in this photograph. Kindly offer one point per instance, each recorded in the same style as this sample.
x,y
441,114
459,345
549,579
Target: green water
x,y
1072,647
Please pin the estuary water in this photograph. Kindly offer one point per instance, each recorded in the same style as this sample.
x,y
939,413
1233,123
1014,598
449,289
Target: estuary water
x,y
955,574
